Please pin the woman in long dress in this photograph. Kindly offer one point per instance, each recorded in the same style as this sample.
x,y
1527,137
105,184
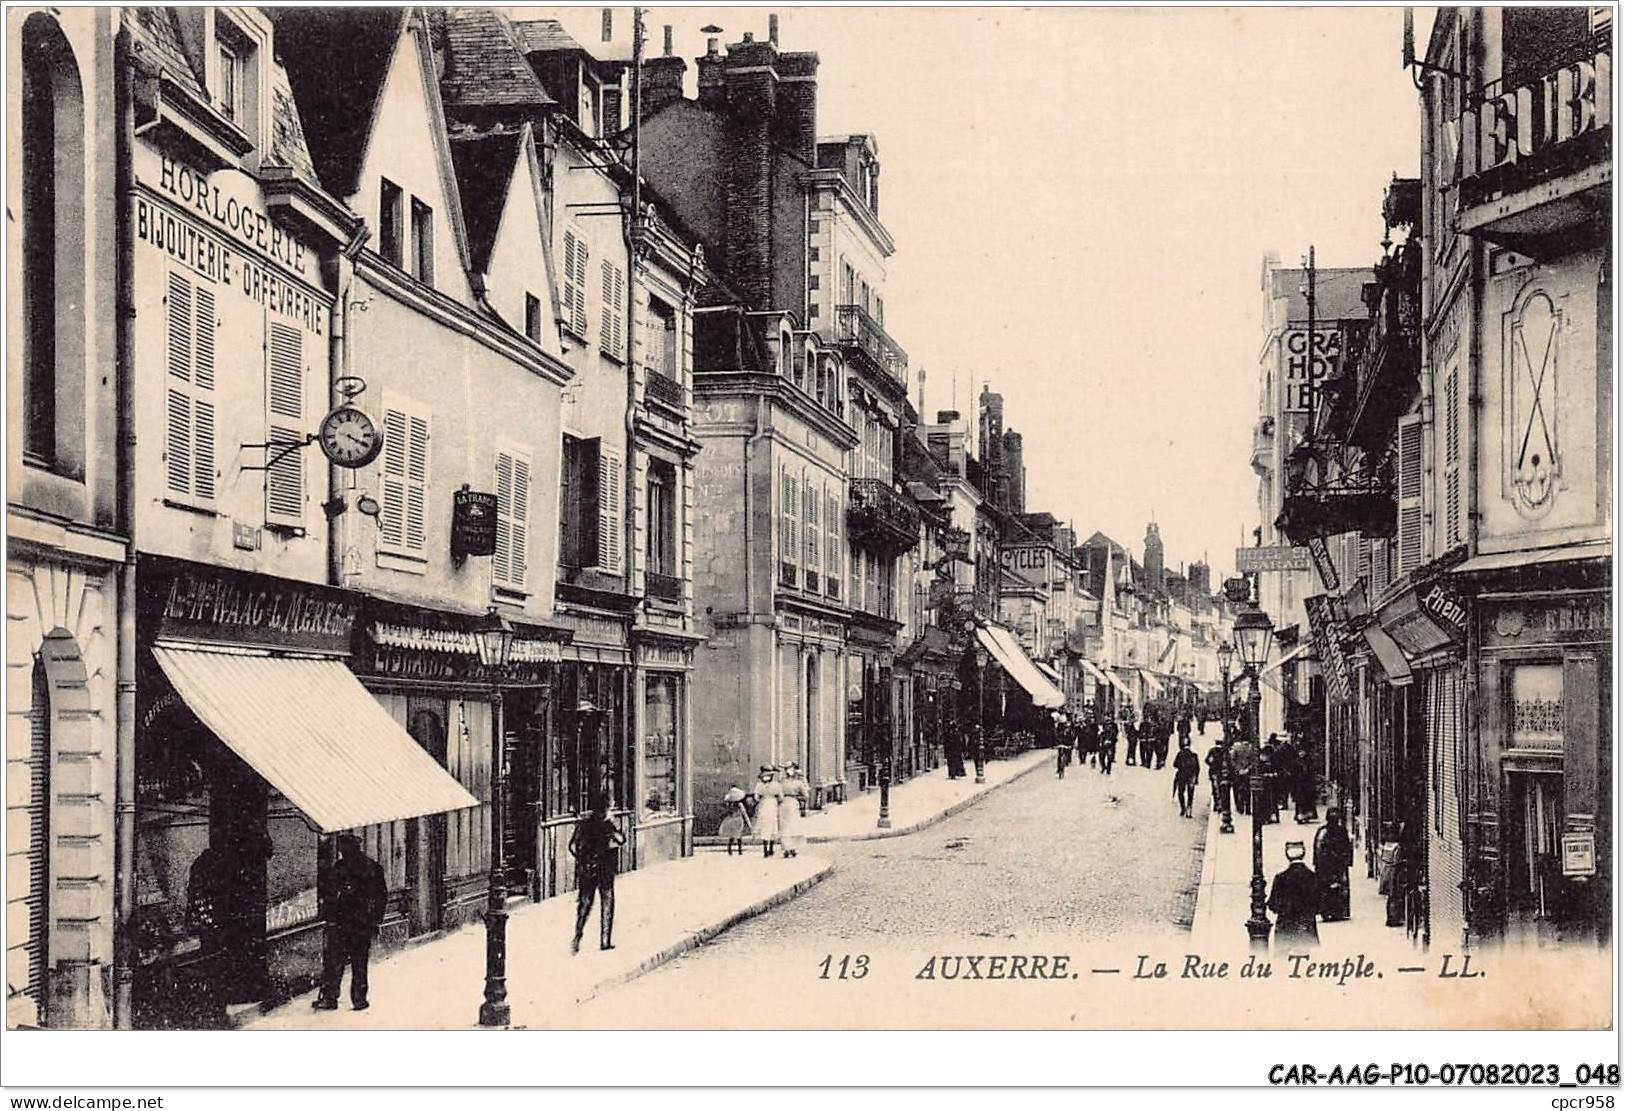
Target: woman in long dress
x,y
791,803
767,792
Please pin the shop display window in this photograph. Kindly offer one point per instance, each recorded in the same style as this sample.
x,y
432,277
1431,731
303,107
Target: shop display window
x,y
661,715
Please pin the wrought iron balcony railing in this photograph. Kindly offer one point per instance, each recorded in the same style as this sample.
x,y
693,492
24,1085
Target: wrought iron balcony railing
x,y
664,389
880,518
668,588
856,330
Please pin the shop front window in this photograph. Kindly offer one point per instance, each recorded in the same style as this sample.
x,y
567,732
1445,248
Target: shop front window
x,y
660,718
588,755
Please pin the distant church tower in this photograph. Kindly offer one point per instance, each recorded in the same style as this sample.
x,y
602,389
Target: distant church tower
x,y
1153,556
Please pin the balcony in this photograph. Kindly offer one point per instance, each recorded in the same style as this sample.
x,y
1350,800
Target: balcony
x,y
667,588
663,389
858,332
1384,377
879,518
1536,158
1263,443
1360,501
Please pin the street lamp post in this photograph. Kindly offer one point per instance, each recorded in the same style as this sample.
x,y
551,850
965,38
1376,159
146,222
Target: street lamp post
x,y
493,637
1253,631
981,713
1226,825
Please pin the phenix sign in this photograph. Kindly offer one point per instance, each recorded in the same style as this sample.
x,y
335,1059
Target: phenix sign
x,y
1570,101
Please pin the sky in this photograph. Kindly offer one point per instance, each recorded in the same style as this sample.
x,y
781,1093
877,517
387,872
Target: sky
x,y
1081,199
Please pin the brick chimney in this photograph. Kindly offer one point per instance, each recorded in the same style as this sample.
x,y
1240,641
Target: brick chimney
x,y
712,92
751,82
795,121
663,78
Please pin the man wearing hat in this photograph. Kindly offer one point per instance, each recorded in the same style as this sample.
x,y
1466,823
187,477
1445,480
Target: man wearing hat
x,y
1295,899
352,897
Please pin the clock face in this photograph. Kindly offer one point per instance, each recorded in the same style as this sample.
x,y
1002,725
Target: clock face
x,y
349,438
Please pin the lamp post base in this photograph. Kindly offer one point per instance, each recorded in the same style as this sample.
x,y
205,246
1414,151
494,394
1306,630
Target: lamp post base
x,y
1258,934
494,1011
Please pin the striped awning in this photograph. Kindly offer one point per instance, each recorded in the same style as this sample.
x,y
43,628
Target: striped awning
x,y
311,730
1122,687
1014,659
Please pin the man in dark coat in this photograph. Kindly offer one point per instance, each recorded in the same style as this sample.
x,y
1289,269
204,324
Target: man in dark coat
x,y
1187,770
1242,757
352,895
1295,899
594,846
1334,854
1218,773
1108,745
1131,738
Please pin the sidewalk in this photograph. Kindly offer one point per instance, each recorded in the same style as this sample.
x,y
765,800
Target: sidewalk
x,y
922,801
661,912
1224,894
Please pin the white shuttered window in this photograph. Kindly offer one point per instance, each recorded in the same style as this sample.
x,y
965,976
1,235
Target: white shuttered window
x,y
513,519
284,423
1410,495
612,315
189,447
1452,458
405,477
573,304
610,511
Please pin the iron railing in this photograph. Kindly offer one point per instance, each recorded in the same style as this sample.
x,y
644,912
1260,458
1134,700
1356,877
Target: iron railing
x,y
880,517
856,329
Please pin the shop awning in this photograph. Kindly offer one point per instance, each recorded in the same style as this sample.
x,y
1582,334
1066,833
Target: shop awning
x,y
1286,659
1122,687
1094,672
312,731
1014,659
1049,672
1498,561
1151,682
1388,653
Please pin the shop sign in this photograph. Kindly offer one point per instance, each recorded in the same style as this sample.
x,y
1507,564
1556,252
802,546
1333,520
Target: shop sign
x,y
237,607
1323,563
473,523
1580,854
1031,562
1543,622
1554,108
295,911
1250,561
1439,602
662,655
404,663
1328,648
227,200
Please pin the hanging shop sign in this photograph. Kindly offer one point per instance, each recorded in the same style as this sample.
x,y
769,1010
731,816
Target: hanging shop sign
x,y
216,605
1324,567
1445,607
1305,371
1251,561
1328,647
473,523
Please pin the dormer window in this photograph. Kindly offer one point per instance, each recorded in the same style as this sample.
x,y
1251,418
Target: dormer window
x,y
231,80
234,80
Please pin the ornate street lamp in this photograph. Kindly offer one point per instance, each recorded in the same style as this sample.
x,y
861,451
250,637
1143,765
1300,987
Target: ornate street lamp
x,y
493,638
1226,653
1252,631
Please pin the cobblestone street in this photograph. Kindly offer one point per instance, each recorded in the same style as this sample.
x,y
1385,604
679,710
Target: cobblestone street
x,y
1042,865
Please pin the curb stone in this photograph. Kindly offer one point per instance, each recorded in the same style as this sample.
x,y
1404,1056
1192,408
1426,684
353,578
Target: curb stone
x,y
901,831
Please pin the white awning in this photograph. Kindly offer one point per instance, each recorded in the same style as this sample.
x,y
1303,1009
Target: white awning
x,y
1286,659
1498,561
1151,682
1098,675
1122,687
1049,672
1390,655
1013,658
311,730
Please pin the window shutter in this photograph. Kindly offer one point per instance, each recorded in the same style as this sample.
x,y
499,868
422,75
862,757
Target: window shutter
x,y
609,516
580,306
189,436
588,501
1410,494
502,556
832,538
815,552
789,542
285,413
574,301
513,519
393,516
1452,458
612,318
1365,558
417,481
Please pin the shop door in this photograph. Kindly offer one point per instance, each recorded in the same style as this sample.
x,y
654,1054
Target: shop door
x,y
525,739
1535,812
426,836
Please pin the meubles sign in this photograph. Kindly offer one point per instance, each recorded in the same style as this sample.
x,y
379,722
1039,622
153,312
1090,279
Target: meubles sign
x,y
1564,104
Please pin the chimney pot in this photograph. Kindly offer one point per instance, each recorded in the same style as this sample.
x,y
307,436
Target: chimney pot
x,y
773,28
749,37
667,30
609,24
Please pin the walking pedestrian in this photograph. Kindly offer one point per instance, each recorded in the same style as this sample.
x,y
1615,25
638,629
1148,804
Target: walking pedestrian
x,y
1288,768
1201,721
1147,733
594,844
767,792
1305,790
1131,740
792,805
1266,768
1295,899
1334,855
1108,746
1242,758
1164,738
1218,773
352,900
735,825
1063,757
1187,769
1090,741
